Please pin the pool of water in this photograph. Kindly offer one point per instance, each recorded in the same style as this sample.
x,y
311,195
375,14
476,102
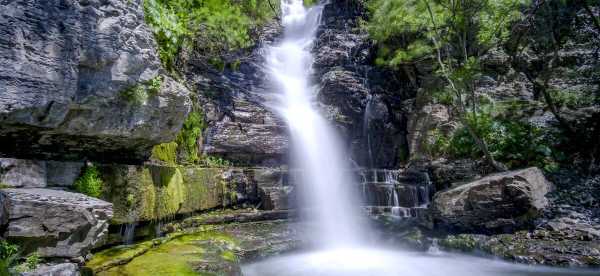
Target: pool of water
x,y
382,262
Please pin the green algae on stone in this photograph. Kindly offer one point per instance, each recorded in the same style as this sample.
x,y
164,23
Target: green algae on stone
x,y
118,255
151,193
166,152
201,253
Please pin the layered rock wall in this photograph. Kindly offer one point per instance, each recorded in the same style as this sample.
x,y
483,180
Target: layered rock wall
x,y
82,80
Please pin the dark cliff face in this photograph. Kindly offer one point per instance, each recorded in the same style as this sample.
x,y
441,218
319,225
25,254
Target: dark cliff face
x,y
75,82
240,125
362,100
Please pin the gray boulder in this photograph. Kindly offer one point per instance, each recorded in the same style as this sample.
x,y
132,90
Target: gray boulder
x,y
20,173
75,82
55,223
498,202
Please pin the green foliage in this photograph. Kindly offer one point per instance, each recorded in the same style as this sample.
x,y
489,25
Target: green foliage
x,y
309,3
9,255
134,94
408,30
138,94
513,142
90,183
572,99
211,26
213,161
189,135
31,263
4,186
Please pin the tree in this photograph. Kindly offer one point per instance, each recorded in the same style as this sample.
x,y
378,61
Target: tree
x,y
543,34
454,34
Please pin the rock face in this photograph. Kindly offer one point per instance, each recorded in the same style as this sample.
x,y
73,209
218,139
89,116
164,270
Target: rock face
x,y
151,193
75,82
19,173
240,126
55,223
499,202
24,173
355,95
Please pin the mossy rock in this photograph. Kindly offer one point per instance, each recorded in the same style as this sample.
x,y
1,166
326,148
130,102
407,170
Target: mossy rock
x,y
150,193
200,253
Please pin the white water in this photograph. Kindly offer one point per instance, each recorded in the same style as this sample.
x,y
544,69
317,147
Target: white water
x,y
327,187
324,180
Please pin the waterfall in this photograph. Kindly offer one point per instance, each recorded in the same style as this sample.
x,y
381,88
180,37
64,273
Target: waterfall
x,y
128,232
325,182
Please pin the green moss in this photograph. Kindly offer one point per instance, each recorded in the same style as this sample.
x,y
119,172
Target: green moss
x,y
461,242
115,256
171,195
152,193
166,152
177,256
4,186
89,183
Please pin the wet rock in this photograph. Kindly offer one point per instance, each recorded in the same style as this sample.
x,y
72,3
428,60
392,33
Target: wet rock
x,y
19,173
218,249
65,82
498,202
537,247
152,192
444,173
357,97
241,126
55,223
62,269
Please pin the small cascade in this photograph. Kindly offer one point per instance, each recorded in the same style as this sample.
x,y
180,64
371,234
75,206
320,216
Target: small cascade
x,y
366,129
158,229
398,193
128,232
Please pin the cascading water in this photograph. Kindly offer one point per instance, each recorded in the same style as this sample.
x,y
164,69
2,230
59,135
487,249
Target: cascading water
x,y
324,180
327,185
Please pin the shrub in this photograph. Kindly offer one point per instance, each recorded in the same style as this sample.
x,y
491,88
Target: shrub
x,y
513,142
189,135
138,94
89,183
217,25
213,161
9,254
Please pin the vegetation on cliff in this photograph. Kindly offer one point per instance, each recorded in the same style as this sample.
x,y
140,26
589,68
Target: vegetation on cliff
x,y
453,39
89,183
210,27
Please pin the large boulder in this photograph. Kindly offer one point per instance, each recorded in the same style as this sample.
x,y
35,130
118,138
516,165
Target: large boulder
x,y
499,202
82,80
55,223
19,173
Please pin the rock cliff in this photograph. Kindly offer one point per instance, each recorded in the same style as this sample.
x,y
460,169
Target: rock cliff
x,y
82,80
